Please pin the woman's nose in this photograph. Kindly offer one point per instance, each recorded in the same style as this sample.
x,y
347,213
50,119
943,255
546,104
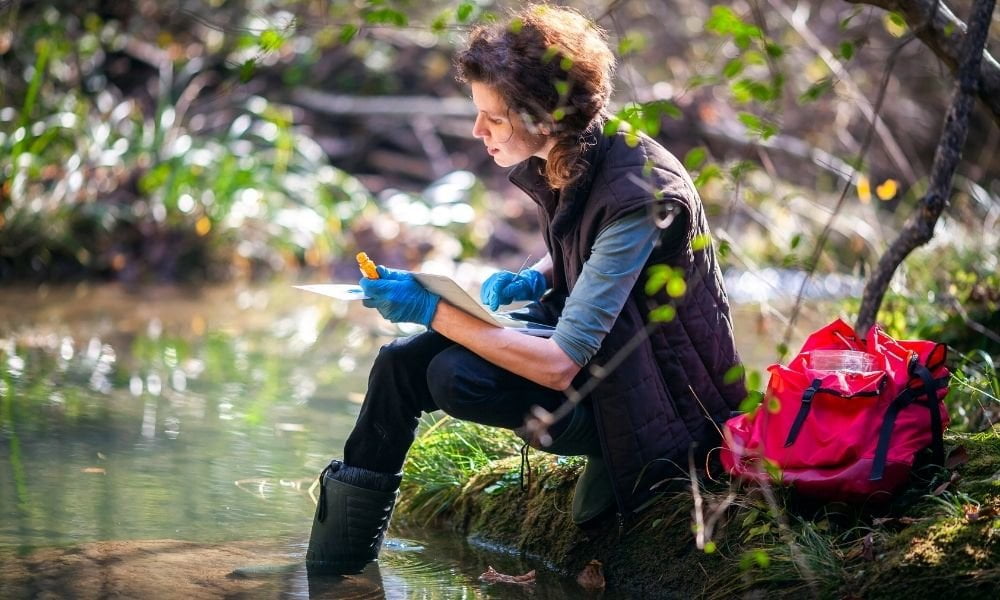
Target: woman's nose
x,y
479,130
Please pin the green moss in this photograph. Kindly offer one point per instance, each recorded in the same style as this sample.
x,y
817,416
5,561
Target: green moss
x,y
769,544
954,549
981,474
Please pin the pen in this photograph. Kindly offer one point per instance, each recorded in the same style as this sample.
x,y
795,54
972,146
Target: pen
x,y
524,264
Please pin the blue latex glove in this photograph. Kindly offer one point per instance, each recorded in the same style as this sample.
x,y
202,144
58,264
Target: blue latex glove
x,y
399,297
504,287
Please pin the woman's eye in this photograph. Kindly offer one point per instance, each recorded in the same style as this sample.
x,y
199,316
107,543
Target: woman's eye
x,y
497,121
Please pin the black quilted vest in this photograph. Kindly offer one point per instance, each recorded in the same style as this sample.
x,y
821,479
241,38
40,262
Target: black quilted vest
x,y
661,385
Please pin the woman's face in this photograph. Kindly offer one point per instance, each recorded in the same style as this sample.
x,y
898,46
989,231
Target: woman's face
x,y
505,134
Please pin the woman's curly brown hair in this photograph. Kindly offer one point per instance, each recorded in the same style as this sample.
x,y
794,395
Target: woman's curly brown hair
x,y
554,68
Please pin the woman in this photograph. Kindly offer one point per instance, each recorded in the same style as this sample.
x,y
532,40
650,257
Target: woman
x,y
609,211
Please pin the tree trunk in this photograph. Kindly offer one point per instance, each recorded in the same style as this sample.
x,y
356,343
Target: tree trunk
x,y
919,227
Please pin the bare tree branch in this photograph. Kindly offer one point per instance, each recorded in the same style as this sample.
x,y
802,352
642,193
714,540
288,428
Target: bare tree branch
x,y
919,227
943,32
903,163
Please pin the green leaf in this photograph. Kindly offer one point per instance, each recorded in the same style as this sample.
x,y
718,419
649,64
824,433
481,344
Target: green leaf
x,y
666,107
724,248
734,374
847,20
753,380
647,171
646,117
566,63
745,90
658,277
700,80
464,11
724,21
758,126
846,50
271,40
749,120
155,178
562,87
247,70
695,158
612,126
897,19
733,68
774,50
676,287
751,402
663,314
708,174
701,241
777,85
817,90
754,557
347,33
741,168
387,16
710,547
773,470
631,43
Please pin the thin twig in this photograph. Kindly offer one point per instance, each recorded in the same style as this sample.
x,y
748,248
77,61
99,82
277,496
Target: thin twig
x,y
825,234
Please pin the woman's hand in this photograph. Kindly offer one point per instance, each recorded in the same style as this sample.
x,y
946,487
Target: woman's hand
x,y
504,287
399,297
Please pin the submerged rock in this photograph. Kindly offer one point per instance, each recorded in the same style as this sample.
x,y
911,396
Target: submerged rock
x,y
171,569
137,569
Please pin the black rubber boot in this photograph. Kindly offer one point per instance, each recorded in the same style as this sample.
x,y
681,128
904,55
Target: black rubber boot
x,y
351,520
594,494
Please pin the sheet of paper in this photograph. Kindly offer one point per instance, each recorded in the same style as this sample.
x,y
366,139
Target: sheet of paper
x,y
447,288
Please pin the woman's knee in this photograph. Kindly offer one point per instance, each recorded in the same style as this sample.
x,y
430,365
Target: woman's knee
x,y
407,353
448,386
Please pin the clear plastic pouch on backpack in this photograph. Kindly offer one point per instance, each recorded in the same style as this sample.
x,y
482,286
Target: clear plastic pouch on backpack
x,y
842,360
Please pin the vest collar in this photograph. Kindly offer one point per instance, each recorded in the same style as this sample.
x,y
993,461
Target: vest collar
x,y
563,207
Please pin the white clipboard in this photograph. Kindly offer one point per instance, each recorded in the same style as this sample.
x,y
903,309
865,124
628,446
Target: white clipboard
x,y
449,290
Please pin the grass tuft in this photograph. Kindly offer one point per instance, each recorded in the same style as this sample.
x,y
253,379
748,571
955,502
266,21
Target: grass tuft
x,y
443,458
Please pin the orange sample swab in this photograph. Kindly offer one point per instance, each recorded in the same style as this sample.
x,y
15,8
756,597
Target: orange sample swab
x,y
367,266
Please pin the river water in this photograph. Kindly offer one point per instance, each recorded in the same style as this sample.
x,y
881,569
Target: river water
x,y
204,415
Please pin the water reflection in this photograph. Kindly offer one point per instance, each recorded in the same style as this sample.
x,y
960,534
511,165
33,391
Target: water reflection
x,y
439,567
201,416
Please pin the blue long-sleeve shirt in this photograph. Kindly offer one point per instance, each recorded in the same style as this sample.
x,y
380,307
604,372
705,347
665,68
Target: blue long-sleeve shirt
x,y
616,261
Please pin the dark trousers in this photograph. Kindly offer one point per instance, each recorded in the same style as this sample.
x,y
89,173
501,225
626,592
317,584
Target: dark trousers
x,y
428,372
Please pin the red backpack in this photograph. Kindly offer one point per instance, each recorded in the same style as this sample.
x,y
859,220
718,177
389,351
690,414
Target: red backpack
x,y
846,417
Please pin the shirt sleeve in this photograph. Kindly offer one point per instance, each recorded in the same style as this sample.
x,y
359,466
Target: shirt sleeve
x,y
616,261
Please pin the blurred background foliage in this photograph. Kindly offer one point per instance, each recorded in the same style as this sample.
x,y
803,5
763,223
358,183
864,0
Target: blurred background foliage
x,y
202,140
